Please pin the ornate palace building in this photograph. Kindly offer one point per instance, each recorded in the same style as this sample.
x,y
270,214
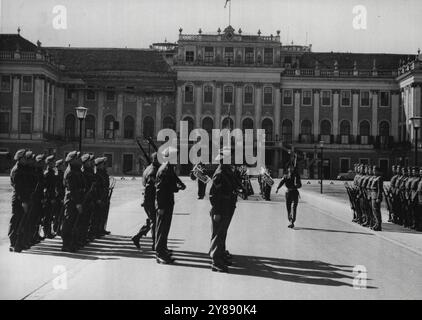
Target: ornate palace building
x,y
358,104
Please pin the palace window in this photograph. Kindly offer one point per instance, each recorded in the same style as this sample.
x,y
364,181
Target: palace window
x,y
306,97
4,122
228,55
129,128
364,99
249,55
384,99
109,157
268,56
287,131
288,97
90,126
248,95
25,122
188,94
189,56
27,84
6,83
110,95
364,132
208,91
148,127
209,55
268,95
326,98
345,98
90,95
228,94
109,127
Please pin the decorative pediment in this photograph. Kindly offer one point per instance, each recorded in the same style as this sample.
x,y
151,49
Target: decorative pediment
x,y
229,33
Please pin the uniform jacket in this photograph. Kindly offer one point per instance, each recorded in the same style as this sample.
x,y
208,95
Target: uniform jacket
x,y
223,191
59,185
91,186
377,186
75,186
103,183
148,181
21,179
166,186
291,181
50,183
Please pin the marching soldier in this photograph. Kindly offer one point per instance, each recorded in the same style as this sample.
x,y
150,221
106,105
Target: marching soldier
x,y
102,183
20,177
105,178
166,184
75,189
50,196
148,181
201,185
376,187
293,183
60,191
223,198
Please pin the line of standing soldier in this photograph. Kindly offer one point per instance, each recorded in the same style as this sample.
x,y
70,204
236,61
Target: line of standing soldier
x,y
49,200
366,195
404,197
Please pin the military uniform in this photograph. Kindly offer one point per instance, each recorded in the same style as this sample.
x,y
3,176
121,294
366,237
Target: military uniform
x,y
293,183
60,192
376,187
50,197
102,187
418,209
413,198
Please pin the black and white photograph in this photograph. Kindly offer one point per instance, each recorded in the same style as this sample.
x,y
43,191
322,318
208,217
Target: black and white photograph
x,y
210,150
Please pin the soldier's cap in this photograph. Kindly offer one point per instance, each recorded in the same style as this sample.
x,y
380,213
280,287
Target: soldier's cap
x,y
50,158
19,154
87,157
29,154
40,157
223,154
100,160
72,155
59,162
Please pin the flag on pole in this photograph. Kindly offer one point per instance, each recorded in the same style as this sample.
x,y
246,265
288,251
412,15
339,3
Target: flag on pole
x,y
226,3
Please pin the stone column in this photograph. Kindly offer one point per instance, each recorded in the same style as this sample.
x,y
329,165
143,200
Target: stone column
x,y
317,93
258,106
277,112
217,122
47,106
355,106
38,107
296,106
15,106
198,104
374,95
395,110
138,129
238,105
59,109
179,104
53,96
119,119
335,112
99,132
158,121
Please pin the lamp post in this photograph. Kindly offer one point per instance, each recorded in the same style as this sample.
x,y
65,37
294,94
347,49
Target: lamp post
x,y
417,123
80,114
321,145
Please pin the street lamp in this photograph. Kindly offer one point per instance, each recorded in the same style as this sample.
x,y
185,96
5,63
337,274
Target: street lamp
x,y
417,123
321,165
80,114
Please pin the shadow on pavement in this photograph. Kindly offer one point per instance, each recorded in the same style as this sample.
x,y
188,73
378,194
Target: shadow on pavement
x,y
391,227
329,230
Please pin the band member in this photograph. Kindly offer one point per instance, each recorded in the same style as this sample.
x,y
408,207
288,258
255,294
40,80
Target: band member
x,y
166,184
148,181
377,186
223,198
202,187
293,183
50,196
60,191
75,189
20,178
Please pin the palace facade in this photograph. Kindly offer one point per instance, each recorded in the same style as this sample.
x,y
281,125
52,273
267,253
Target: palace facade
x,y
358,104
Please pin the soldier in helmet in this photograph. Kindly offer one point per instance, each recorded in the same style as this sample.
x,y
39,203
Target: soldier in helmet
x,y
75,189
50,196
376,187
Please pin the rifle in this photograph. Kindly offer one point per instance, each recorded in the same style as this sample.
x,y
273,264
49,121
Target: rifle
x,y
110,193
144,152
349,193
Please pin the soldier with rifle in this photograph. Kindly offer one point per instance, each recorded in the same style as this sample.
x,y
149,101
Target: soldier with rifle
x,y
390,193
60,191
413,197
406,196
402,203
102,186
102,174
20,178
167,184
50,196
74,183
377,187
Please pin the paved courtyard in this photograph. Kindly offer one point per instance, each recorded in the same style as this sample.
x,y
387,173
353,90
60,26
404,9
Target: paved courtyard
x,y
319,259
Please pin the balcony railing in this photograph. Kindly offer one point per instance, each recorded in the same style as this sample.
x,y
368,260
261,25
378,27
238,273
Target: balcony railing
x,y
341,73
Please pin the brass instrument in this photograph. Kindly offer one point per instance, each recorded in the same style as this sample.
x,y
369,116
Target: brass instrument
x,y
199,173
267,178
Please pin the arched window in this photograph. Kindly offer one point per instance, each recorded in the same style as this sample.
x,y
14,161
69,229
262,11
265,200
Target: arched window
x,y
267,125
325,127
247,124
168,123
208,94
364,128
90,126
129,128
228,123
207,125
384,129
286,131
248,95
228,95
69,126
109,127
306,127
148,127
345,128
190,123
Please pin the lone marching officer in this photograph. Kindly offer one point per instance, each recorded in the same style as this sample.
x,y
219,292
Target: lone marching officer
x,y
293,183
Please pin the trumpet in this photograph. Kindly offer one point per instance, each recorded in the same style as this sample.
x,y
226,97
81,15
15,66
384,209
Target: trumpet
x,y
199,173
267,179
